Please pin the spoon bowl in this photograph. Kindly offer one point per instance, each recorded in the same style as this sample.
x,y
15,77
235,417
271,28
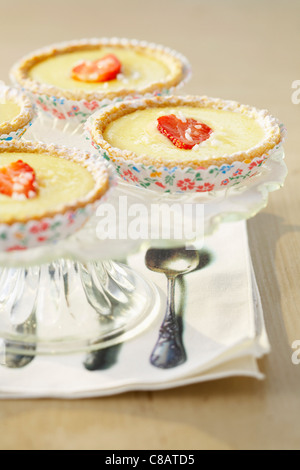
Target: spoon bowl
x,y
169,350
172,262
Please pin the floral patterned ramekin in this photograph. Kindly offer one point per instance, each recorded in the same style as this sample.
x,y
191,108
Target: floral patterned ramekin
x,y
68,219
174,178
62,104
17,127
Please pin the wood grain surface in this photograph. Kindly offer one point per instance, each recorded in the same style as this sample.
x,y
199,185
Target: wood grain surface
x,y
243,50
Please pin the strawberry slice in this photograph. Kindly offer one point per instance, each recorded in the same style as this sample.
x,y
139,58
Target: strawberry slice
x,y
183,132
18,179
101,70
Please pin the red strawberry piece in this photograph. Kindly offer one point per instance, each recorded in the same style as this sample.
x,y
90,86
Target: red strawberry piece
x,y
101,70
183,132
18,179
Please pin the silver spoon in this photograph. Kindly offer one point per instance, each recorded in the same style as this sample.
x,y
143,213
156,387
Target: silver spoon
x,y
169,350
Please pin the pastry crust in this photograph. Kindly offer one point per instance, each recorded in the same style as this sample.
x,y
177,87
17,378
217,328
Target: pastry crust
x,y
20,72
98,171
23,118
106,116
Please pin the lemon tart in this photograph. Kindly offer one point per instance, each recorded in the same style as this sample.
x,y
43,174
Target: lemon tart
x,y
47,193
160,139
16,113
38,181
99,69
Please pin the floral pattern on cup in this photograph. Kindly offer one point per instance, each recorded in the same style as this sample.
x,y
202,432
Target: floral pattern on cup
x,y
78,111
183,180
15,135
22,236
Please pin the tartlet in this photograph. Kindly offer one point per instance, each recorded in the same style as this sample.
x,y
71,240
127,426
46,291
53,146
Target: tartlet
x,y
240,138
146,68
16,113
65,187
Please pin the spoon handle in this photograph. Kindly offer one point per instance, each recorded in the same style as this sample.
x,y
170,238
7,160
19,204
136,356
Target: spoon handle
x,y
169,350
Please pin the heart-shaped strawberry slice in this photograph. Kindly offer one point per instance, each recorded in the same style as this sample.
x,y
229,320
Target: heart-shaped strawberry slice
x,y
18,180
102,70
183,132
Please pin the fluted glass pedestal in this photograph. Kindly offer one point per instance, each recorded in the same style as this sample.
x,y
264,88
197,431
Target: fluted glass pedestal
x,y
67,306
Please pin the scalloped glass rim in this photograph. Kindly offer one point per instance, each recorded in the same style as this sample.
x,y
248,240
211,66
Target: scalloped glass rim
x,y
233,204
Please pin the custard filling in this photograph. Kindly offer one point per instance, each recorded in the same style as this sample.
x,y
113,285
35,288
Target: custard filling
x,y
139,70
9,111
60,182
137,132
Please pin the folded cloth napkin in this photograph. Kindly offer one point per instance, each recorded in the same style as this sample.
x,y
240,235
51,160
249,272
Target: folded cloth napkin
x,y
224,334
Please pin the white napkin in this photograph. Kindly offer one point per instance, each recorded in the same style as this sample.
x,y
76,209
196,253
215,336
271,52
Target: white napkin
x,y
224,334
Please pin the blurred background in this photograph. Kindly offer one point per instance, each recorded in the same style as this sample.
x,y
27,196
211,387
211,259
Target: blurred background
x,y
239,49
246,50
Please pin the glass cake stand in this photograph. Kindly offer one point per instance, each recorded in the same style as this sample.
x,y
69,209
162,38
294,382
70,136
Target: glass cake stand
x,y
70,296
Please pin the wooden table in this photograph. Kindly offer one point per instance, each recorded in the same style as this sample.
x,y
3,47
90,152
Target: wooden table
x,y
248,51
